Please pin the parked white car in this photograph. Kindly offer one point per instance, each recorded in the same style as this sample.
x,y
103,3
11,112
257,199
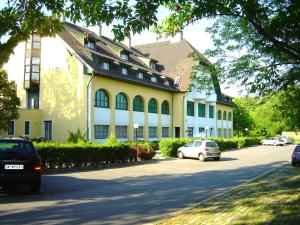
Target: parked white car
x,y
273,141
201,149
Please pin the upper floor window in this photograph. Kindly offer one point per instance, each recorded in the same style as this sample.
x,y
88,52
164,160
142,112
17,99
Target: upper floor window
x,y
121,102
219,115
124,71
154,79
152,106
90,43
101,99
138,104
140,75
104,66
229,116
201,110
152,65
167,83
165,107
124,56
211,111
34,42
190,108
224,115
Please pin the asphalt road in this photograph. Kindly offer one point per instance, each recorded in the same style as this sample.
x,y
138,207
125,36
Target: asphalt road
x,y
137,194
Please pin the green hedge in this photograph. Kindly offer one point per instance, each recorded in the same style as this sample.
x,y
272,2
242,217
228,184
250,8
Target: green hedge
x,y
169,147
55,155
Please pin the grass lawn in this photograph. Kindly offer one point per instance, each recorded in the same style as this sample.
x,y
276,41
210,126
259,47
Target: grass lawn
x,y
271,199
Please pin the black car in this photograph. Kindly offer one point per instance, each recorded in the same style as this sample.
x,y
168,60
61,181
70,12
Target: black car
x,y
296,155
19,164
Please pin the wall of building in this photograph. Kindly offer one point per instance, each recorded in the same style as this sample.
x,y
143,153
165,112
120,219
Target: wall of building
x,y
112,117
224,127
63,89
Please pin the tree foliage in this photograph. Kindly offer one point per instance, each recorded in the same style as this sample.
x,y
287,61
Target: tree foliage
x,y
9,101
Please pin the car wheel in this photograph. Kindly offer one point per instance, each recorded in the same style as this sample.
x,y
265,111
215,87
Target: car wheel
x,y
216,158
35,187
180,155
201,157
274,144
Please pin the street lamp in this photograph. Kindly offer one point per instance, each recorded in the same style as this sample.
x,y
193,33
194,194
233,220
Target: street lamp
x,y
206,129
136,127
246,130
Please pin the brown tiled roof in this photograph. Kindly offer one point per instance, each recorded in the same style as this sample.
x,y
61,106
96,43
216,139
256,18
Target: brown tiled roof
x,y
173,58
74,35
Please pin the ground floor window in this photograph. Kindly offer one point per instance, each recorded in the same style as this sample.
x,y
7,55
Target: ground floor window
x,y
101,131
201,131
152,132
219,132
229,133
48,130
211,131
225,133
27,128
139,132
190,131
11,128
165,132
121,131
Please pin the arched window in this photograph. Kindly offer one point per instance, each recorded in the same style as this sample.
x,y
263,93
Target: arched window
x,y
138,104
219,115
152,106
101,99
229,116
165,107
224,115
121,102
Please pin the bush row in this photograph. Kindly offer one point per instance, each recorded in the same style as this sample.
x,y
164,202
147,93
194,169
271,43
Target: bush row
x,y
169,147
55,155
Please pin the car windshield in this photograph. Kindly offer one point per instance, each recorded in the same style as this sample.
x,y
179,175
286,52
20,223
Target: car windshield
x,y
211,144
15,147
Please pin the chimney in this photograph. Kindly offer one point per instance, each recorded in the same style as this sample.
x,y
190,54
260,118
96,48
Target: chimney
x,y
129,42
99,29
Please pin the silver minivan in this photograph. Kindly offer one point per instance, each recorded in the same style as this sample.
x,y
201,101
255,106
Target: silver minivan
x,y
200,149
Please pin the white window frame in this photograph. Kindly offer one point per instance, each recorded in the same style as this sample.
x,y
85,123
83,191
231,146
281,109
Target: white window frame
x,y
44,132
154,79
140,75
123,71
104,65
124,56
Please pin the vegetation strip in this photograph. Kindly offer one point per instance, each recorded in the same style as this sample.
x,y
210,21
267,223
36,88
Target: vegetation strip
x,y
271,199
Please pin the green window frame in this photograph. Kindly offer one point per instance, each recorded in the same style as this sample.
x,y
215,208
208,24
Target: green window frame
x,y
101,99
152,106
224,115
219,115
229,116
201,110
165,108
121,102
211,111
190,109
138,104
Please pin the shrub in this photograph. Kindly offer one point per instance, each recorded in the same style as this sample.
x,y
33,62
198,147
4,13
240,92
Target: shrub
x,y
169,147
55,155
76,137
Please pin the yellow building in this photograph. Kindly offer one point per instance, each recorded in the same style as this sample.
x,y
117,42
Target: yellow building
x,y
82,80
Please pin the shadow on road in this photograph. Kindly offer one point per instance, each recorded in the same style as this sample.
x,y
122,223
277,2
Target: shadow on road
x,y
127,200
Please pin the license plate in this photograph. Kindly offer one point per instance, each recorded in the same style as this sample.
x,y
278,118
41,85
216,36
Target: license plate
x,y
14,167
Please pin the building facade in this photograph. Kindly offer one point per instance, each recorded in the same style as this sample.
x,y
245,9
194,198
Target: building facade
x,y
82,80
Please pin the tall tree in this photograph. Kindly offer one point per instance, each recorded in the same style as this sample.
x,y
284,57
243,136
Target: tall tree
x,y
9,101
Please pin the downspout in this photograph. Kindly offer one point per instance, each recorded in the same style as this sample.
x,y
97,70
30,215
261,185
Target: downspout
x,y
172,125
183,115
88,105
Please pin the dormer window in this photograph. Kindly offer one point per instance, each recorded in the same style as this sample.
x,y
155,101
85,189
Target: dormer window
x,y
124,56
152,65
167,83
154,79
90,43
124,71
104,66
140,75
